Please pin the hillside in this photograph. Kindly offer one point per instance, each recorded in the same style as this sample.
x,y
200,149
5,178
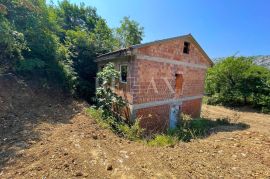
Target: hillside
x,y
46,134
262,61
258,60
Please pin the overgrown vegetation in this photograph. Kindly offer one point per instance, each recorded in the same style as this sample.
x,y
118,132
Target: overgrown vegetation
x,y
188,129
59,43
131,132
236,81
110,106
107,99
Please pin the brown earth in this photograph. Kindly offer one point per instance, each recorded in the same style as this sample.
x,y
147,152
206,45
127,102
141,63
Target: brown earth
x,y
47,135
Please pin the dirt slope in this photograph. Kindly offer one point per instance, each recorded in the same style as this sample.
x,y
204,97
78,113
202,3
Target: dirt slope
x,y
56,140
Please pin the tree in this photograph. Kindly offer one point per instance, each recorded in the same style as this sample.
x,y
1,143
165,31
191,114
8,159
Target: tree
x,y
129,33
103,37
58,43
72,16
237,81
86,35
12,42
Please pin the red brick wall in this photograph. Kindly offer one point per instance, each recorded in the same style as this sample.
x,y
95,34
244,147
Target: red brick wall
x,y
192,107
150,72
142,74
173,50
154,119
193,81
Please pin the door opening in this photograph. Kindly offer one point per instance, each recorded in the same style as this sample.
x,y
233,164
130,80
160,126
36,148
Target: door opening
x,y
174,116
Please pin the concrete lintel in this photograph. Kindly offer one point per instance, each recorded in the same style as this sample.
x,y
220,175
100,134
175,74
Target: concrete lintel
x,y
164,102
169,61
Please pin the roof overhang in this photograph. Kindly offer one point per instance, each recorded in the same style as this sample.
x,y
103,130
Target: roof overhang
x,y
115,54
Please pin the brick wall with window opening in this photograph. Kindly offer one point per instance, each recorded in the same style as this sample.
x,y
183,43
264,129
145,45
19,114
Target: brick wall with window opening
x,y
186,47
123,73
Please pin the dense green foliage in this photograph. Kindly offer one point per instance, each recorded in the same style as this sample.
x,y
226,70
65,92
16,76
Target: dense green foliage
x,y
129,33
237,81
107,99
58,43
111,106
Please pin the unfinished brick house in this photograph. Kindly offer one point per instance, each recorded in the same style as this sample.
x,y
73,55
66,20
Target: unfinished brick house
x,y
160,79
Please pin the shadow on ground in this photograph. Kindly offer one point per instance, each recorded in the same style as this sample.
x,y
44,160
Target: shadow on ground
x,y
23,106
224,125
189,129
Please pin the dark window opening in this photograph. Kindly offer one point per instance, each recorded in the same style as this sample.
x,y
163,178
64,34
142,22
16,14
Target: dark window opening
x,y
123,72
186,47
101,67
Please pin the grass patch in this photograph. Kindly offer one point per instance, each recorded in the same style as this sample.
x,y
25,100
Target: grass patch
x,y
186,130
131,132
163,140
189,128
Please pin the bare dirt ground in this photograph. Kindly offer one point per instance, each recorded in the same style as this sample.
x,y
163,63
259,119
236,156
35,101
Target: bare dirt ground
x,y
47,135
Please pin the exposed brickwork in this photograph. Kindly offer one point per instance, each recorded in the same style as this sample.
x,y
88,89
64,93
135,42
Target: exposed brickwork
x,y
152,80
174,50
192,107
154,118
152,84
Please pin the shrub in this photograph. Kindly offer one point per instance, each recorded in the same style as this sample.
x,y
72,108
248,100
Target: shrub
x,y
106,98
133,132
29,65
110,106
68,78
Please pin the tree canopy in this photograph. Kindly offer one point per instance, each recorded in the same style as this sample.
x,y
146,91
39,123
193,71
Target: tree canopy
x,y
59,42
237,81
129,33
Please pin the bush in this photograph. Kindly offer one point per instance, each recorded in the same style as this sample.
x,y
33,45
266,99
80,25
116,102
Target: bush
x,y
107,99
29,65
67,77
110,106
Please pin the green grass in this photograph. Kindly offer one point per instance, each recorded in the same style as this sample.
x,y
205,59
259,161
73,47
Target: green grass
x,y
195,128
162,140
186,130
189,129
96,114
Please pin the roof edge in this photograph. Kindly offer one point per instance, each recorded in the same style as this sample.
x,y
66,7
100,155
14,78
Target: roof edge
x,y
175,38
126,51
159,41
117,53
